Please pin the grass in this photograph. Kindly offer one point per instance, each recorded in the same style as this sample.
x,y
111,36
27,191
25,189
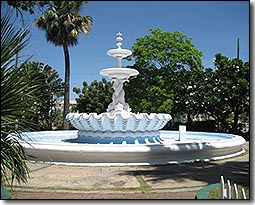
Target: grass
x,y
143,185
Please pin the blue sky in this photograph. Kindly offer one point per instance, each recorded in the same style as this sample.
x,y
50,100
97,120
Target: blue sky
x,y
214,27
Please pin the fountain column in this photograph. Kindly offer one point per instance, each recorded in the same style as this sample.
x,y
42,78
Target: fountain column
x,y
118,97
118,76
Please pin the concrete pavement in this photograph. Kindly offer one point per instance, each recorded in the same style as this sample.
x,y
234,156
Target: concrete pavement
x,y
177,181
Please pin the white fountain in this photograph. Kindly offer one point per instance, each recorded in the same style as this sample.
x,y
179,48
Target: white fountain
x,y
120,137
118,120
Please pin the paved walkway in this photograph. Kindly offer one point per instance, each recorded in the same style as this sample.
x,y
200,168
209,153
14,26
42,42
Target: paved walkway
x,y
180,181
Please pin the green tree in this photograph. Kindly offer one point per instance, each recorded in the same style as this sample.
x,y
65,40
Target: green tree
x,y
94,97
51,89
147,93
161,49
63,24
188,98
227,96
17,95
163,59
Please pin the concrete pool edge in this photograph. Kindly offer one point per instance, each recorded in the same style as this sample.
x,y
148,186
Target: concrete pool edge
x,y
170,152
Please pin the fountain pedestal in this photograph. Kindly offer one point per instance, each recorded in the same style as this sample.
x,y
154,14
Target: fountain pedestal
x,y
118,77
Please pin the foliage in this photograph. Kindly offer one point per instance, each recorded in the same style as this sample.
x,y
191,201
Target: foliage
x,y
188,98
27,6
164,61
152,97
227,93
161,49
17,93
172,76
51,89
94,97
63,24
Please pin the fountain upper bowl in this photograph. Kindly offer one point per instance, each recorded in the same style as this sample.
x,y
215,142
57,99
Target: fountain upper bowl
x,y
119,53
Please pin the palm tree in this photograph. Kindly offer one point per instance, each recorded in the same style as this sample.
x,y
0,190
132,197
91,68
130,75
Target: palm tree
x,y
18,92
63,24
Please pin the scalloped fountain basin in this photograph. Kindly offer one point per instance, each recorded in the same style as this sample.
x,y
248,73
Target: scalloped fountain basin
x,y
118,122
165,148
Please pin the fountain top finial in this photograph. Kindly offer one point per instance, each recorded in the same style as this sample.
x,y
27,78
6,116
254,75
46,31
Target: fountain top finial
x,y
119,53
119,40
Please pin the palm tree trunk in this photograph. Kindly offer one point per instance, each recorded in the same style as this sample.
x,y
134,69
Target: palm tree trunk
x,y
67,86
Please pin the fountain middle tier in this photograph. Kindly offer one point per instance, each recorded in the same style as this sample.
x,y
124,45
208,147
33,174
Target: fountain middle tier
x,y
117,73
119,121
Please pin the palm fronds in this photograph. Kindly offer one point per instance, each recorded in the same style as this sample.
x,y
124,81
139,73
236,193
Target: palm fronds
x,y
12,42
13,164
18,88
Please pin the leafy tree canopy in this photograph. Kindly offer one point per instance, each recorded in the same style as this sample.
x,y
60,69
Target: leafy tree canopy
x,y
227,93
160,57
94,97
51,88
161,49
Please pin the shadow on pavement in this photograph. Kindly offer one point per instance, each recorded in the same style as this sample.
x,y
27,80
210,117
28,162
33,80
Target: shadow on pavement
x,y
236,172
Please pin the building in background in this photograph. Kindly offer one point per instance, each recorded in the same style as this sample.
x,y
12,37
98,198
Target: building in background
x,y
60,104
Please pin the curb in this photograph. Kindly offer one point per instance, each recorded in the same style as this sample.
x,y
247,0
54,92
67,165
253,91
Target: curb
x,y
203,193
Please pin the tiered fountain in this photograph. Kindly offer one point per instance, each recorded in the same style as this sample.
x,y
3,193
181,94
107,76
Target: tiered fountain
x,y
118,125
120,137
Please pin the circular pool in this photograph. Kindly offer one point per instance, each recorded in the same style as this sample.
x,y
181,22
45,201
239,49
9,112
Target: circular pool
x,y
66,147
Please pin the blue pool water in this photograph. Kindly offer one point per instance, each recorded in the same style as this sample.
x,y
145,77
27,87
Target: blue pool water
x,y
164,136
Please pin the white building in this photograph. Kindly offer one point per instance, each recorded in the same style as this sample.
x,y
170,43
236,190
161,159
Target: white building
x,y
60,104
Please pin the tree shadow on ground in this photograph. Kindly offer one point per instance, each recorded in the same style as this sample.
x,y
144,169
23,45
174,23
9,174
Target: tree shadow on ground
x,y
210,172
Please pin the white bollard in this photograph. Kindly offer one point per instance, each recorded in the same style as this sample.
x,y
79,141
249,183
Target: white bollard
x,y
182,132
228,189
226,193
235,191
243,193
223,190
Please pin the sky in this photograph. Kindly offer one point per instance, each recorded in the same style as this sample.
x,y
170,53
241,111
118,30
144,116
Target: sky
x,y
214,27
